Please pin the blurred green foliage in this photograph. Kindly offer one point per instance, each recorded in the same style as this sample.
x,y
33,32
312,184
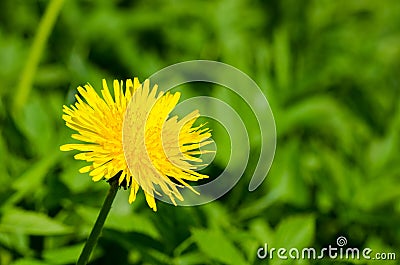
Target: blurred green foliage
x,y
330,70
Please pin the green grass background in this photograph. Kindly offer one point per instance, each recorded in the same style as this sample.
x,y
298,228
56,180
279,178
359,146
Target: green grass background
x,y
330,70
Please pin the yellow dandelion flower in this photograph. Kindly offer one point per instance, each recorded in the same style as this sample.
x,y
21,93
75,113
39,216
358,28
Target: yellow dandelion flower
x,y
131,136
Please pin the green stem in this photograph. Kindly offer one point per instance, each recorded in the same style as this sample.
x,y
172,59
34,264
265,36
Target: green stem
x,y
98,226
45,27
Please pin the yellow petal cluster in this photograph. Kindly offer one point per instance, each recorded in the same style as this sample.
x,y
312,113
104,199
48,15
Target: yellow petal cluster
x,y
130,135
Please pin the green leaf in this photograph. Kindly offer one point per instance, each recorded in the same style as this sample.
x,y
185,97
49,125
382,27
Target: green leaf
x,y
326,116
32,223
217,246
282,61
124,222
384,191
64,255
295,231
261,230
33,177
72,178
28,261
36,124
191,258
17,242
286,185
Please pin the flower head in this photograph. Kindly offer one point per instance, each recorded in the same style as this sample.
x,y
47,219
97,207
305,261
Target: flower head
x,y
132,136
